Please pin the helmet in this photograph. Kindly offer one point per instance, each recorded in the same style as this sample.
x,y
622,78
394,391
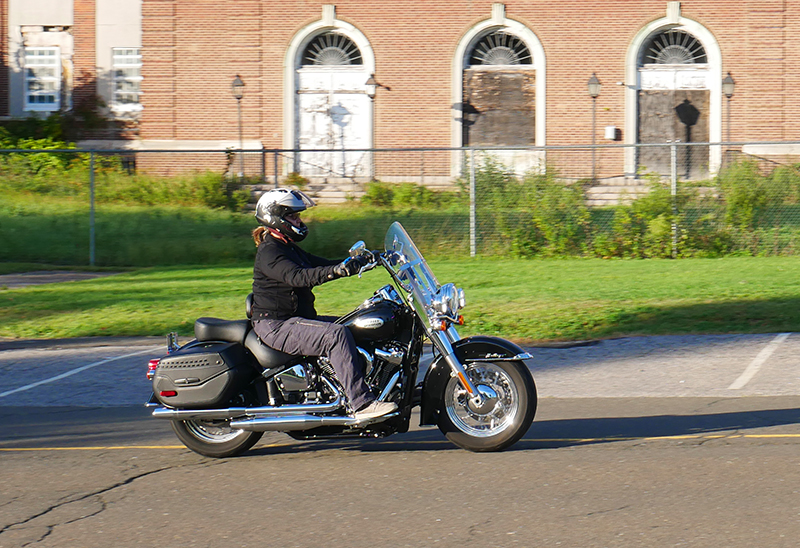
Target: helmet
x,y
274,205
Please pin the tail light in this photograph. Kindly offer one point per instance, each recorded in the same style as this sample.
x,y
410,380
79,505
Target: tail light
x,y
151,369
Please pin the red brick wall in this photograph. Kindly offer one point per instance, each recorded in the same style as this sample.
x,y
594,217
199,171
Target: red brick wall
x,y
194,48
4,58
84,56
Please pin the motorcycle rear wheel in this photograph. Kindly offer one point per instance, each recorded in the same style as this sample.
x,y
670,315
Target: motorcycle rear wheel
x,y
214,439
504,416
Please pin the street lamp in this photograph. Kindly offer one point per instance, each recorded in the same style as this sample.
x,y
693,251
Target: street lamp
x,y
237,89
372,86
594,87
728,85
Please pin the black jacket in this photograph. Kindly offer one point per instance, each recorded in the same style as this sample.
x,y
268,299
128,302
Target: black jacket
x,y
283,276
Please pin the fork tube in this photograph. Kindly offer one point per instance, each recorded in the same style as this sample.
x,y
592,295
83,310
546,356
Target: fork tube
x,y
443,344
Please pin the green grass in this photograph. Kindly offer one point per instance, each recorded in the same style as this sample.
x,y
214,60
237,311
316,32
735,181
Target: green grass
x,y
534,300
45,229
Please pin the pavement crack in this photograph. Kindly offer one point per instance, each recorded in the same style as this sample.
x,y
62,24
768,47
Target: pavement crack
x,y
66,500
47,533
601,512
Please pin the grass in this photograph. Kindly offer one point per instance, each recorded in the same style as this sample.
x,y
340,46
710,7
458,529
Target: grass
x,y
527,301
46,229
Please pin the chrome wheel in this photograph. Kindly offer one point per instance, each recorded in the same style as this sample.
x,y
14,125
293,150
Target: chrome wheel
x,y
212,431
491,416
214,438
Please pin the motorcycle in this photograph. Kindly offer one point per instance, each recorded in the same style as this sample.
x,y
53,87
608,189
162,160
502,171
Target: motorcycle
x,y
224,389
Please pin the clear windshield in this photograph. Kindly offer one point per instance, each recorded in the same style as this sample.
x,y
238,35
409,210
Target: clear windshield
x,y
410,266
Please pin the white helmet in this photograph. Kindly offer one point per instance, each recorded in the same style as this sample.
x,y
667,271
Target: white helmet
x,y
273,206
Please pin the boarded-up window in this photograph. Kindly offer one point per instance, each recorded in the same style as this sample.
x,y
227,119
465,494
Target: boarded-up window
x,y
499,106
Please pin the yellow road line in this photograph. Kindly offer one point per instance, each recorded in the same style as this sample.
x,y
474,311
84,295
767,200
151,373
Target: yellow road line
x,y
409,442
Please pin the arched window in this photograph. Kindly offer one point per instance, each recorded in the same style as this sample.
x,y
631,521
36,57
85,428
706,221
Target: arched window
x,y
500,48
673,47
331,49
674,102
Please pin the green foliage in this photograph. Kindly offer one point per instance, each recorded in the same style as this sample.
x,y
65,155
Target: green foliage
x,y
378,194
745,193
296,180
538,215
407,196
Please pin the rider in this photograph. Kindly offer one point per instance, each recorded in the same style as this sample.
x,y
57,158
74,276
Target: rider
x,y
283,313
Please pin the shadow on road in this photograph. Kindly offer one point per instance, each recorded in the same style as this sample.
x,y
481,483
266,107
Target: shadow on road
x,y
74,427
569,432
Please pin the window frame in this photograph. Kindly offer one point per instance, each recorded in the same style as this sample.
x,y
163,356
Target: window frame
x,y
120,106
30,106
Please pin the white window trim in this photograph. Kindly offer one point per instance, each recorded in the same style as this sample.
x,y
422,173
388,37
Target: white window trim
x,y
125,107
292,64
42,107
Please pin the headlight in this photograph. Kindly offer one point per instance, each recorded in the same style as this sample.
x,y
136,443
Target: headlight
x,y
449,300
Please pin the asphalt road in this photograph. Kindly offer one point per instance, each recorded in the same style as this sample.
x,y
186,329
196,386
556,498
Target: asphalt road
x,y
658,441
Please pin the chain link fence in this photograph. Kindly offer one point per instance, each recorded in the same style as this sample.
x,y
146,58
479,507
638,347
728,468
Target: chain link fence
x,y
655,200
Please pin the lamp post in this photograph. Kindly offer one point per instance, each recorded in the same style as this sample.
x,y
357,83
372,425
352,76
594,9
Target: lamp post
x,y
594,90
728,85
237,88
372,86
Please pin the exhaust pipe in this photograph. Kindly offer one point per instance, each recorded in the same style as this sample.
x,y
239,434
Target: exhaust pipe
x,y
292,423
235,412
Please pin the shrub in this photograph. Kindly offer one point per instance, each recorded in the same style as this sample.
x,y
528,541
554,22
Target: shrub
x,y
378,194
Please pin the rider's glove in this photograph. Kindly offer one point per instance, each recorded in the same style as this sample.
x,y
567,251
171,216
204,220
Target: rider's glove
x,y
350,266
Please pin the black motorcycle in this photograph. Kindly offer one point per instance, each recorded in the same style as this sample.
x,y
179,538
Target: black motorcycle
x,y
225,388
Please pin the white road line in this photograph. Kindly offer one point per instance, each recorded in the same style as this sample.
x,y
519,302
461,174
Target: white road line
x,y
73,372
759,360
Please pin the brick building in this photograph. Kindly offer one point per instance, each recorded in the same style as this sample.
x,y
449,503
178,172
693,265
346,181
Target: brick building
x,y
356,74
57,54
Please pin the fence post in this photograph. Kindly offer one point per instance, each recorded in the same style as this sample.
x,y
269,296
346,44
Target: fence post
x,y
472,206
263,166
674,192
275,166
91,208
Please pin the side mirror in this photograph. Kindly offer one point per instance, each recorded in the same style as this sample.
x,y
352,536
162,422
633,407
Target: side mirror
x,y
358,248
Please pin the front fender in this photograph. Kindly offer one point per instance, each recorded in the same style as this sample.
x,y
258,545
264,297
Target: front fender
x,y
471,348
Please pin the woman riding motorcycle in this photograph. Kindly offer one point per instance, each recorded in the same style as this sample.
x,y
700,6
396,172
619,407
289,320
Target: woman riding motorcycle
x,y
283,313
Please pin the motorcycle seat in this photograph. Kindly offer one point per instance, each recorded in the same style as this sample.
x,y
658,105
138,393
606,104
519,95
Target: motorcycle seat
x,y
266,356
214,329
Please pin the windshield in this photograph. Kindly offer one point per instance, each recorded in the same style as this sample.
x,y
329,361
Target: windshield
x,y
410,266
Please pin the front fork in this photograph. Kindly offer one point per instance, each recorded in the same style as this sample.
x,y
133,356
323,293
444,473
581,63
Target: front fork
x,y
443,341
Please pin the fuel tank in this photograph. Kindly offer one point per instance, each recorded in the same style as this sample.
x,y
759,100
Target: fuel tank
x,y
374,321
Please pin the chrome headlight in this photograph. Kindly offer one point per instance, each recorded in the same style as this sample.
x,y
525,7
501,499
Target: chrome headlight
x,y
448,300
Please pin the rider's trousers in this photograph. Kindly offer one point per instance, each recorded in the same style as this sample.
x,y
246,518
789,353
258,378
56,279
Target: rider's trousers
x,y
300,336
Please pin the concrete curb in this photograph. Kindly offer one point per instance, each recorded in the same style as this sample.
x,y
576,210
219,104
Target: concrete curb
x,y
31,344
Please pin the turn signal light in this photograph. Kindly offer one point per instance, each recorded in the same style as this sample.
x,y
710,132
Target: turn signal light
x,y
460,320
167,393
151,369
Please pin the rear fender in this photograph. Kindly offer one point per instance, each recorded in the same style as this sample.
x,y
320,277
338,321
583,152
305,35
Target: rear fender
x,y
471,348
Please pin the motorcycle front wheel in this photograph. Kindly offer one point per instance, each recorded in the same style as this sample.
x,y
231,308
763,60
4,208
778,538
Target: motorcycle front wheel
x,y
504,415
214,438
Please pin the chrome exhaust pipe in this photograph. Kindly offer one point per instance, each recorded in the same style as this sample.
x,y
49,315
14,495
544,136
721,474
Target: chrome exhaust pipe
x,y
236,412
291,423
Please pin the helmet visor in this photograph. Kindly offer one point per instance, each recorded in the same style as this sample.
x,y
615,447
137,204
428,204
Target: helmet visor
x,y
302,201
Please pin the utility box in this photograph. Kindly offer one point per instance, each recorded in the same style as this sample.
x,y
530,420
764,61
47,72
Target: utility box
x,y
612,133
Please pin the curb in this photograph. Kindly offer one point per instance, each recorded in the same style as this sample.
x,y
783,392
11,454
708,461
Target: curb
x,y
79,342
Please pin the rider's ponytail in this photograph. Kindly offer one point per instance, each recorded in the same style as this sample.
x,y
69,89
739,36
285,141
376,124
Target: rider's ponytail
x,y
258,234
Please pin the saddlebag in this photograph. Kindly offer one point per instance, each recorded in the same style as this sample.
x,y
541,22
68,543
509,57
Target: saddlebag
x,y
205,375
